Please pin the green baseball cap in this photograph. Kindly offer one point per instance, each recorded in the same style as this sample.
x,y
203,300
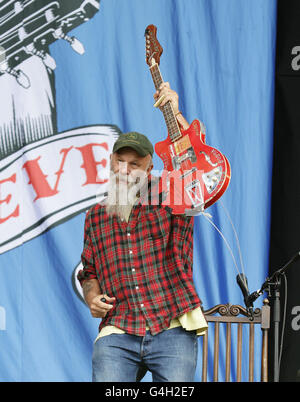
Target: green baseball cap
x,y
139,142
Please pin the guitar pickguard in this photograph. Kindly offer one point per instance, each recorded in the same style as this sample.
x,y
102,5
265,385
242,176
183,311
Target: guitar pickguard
x,y
207,158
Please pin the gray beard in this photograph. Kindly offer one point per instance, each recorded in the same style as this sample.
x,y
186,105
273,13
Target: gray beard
x,y
121,196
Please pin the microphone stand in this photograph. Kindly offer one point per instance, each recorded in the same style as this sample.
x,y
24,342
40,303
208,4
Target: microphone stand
x,y
272,286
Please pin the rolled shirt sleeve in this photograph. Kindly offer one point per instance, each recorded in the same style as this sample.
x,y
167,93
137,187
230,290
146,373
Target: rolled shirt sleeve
x,y
87,256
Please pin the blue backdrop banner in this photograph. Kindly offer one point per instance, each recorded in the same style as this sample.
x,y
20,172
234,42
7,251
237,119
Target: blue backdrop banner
x,y
72,75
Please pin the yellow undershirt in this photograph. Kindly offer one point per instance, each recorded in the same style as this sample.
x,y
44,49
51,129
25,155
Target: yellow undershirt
x,y
192,320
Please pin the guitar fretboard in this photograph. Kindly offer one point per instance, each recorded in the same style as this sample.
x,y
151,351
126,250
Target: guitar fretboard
x,y
167,110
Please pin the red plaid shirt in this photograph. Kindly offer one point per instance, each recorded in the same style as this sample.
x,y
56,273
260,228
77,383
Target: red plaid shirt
x,y
145,263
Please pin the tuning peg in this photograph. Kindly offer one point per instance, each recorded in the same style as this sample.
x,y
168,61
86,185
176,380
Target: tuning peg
x,y
19,75
22,79
74,42
47,59
77,45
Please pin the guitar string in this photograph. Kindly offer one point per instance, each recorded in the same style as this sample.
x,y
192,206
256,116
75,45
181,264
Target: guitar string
x,y
167,110
206,216
236,237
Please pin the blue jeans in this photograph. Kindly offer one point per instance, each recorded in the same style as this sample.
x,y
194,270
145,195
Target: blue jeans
x,y
170,355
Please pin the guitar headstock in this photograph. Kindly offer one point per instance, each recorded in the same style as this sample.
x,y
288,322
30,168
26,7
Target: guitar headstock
x,y
29,27
153,48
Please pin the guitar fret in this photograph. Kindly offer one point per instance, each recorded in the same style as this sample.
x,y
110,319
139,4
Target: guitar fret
x,y
157,78
168,113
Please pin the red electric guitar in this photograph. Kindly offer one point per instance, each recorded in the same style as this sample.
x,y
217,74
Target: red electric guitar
x,y
195,175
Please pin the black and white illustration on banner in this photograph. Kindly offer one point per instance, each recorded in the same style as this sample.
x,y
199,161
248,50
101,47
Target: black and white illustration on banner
x,y
46,177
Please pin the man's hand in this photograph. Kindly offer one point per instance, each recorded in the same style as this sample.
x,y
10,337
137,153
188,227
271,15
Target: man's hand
x,y
98,308
166,94
93,296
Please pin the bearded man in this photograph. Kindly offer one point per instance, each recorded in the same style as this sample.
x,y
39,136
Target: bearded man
x,y
137,274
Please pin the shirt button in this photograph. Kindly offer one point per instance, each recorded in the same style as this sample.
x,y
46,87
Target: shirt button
x,y
142,305
130,251
136,287
133,270
128,234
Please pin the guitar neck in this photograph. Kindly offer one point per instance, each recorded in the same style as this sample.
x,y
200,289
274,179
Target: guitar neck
x,y
167,110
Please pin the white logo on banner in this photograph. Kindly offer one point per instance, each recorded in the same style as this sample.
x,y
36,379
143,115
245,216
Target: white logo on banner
x,y
296,320
296,60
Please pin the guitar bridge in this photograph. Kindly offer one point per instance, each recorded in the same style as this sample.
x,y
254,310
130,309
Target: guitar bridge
x,y
188,154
